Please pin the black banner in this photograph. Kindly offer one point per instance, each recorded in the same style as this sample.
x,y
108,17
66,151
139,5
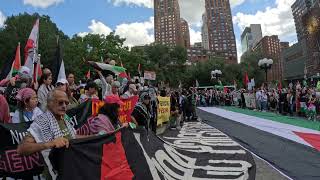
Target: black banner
x,y
197,151
16,166
11,163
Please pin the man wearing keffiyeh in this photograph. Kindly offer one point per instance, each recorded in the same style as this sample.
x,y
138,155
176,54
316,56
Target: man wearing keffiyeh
x,y
49,130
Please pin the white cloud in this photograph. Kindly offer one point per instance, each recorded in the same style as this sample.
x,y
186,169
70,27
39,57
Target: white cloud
x,y
195,36
98,27
2,19
235,3
140,3
42,3
274,21
192,10
137,33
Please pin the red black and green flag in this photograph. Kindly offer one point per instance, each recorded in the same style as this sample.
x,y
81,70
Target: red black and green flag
x,y
137,154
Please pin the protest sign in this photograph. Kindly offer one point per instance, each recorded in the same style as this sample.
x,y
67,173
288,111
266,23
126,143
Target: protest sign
x,y
149,75
163,110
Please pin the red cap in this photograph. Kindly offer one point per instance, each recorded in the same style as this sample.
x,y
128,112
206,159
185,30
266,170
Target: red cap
x,y
113,99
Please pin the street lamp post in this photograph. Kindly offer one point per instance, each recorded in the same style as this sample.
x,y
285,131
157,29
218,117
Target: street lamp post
x,y
216,74
265,64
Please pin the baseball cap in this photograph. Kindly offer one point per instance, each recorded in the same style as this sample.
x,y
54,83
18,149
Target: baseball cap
x,y
113,99
62,81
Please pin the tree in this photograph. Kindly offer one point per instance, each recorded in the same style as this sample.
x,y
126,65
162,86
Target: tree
x,y
93,47
18,28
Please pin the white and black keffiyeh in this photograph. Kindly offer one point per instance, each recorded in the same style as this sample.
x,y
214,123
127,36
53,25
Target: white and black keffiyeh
x,y
45,128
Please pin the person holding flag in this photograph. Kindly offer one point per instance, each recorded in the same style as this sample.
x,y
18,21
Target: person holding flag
x,y
31,51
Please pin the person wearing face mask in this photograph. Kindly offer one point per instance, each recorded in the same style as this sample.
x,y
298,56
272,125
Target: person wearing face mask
x,y
27,106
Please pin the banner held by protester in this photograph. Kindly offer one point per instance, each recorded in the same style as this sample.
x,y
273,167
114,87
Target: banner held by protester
x,y
136,154
163,110
124,112
16,166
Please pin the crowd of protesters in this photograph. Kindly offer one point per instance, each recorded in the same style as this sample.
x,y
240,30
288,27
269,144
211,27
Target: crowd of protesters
x,y
23,100
44,104
296,99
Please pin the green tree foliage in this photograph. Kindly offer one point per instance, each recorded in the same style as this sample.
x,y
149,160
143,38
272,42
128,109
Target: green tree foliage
x,y
91,47
18,28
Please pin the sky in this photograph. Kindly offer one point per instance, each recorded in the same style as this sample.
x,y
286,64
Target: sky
x,y
133,19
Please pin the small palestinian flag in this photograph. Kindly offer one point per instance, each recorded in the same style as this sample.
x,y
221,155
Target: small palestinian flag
x,y
107,67
16,65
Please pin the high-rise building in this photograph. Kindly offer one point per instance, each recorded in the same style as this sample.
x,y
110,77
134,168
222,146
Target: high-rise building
x,y
269,47
185,33
204,32
167,22
300,8
222,40
293,60
250,37
311,20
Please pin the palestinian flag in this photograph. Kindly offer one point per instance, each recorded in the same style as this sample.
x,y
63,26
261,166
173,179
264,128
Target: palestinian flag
x,y
31,49
88,74
39,70
107,67
16,63
290,144
123,74
11,67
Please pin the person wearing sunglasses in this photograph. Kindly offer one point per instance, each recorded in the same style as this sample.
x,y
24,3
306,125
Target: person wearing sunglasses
x,y
49,130
63,85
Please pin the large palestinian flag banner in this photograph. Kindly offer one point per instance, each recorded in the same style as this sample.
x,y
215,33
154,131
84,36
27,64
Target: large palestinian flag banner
x,y
292,149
